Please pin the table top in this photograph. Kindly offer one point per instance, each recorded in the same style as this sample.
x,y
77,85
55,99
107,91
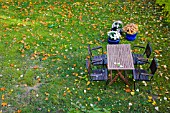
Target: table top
x,y
119,57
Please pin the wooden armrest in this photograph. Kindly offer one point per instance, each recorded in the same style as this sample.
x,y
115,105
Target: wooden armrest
x,y
94,61
139,47
97,48
96,75
146,74
142,58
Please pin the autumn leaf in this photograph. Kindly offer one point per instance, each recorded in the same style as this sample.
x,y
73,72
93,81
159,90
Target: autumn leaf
x,y
47,94
132,93
74,65
128,90
18,111
88,88
64,94
98,98
4,104
2,89
45,58
46,98
157,52
124,8
88,83
154,103
35,67
4,7
150,97
12,65
3,97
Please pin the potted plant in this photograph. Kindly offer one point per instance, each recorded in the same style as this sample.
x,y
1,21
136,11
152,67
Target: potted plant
x,y
131,31
117,26
113,37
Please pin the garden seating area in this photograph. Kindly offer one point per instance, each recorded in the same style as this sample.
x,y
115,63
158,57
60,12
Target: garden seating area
x,y
84,57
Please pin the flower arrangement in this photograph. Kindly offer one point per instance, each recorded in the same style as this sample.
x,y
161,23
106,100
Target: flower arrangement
x,y
117,25
114,35
131,28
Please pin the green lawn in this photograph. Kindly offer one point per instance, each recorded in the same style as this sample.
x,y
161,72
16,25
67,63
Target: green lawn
x,y
43,47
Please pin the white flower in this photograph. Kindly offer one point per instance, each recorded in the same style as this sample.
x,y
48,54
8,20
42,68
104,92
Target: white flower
x,y
117,24
137,90
130,104
1,75
91,105
165,98
114,35
157,108
21,76
145,84
84,91
66,49
37,95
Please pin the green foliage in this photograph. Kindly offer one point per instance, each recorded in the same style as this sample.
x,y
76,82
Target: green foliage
x,y
43,47
166,8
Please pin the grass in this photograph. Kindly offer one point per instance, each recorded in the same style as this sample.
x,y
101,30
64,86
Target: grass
x,y
44,47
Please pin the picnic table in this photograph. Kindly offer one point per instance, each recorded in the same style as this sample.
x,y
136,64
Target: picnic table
x,y
120,59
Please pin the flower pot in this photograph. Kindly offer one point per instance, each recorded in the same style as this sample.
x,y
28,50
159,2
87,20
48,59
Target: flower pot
x,y
111,41
131,37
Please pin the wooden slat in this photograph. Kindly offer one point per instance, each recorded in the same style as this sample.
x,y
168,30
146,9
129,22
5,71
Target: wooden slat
x,y
119,57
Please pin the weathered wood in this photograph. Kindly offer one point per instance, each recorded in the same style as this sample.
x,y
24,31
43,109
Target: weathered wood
x,y
119,57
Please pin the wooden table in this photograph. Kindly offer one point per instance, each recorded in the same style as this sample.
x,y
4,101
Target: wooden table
x,y
119,58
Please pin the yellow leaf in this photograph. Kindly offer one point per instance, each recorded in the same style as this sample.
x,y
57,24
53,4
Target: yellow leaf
x,y
35,67
128,90
98,98
150,97
88,83
88,88
46,93
3,97
46,98
132,93
4,104
64,94
154,103
18,111
149,100
2,89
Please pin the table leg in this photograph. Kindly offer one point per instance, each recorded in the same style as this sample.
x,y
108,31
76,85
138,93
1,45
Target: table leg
x,y
117,75
120,74
110,75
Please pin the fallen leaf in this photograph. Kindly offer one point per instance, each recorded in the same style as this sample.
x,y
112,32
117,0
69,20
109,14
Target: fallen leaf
x,y
157,51
128,90
154,103
88,83
64,94
98,98
46,98
2,89
12,65
3,97
35,67
18,111
150,97
4,104
132,93
88,88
